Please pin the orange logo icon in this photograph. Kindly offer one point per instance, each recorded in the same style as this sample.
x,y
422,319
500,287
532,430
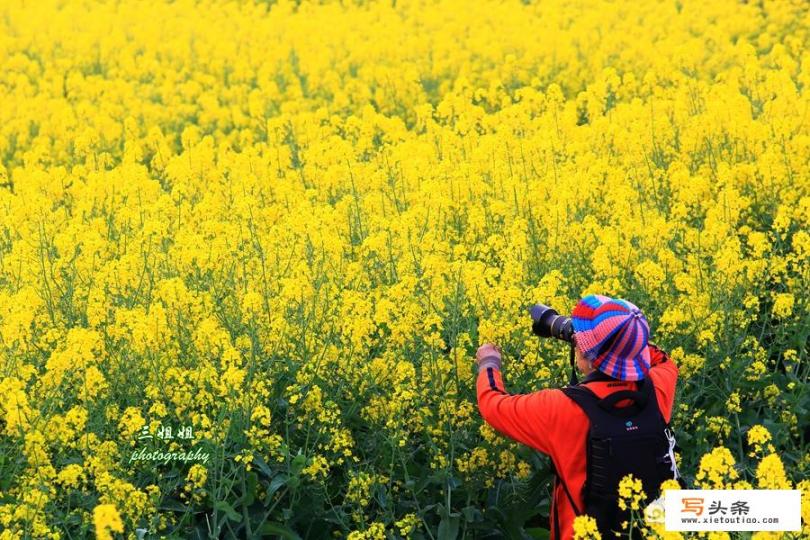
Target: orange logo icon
x,y
692,504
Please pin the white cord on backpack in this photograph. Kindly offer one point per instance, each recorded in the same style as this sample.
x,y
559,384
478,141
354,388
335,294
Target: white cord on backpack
x,y
655,512
671,452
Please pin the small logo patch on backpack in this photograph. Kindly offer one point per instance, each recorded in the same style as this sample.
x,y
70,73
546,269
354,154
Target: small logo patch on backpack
x,y
629,426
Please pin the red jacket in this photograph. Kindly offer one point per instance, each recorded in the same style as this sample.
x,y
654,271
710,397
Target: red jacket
x,y
549,421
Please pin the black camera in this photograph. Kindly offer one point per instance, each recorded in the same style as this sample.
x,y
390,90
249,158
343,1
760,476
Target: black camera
x,y
548,323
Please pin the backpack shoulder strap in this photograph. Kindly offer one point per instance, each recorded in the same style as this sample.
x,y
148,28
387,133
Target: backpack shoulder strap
x,y
652,413
558,478
596,407
584,397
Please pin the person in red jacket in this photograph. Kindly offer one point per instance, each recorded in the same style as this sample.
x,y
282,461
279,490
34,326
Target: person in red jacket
x,y
608,341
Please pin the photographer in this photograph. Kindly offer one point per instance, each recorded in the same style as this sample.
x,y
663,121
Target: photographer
x,y
609,337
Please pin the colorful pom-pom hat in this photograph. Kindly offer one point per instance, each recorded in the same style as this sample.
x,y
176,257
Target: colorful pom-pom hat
x,y
612,333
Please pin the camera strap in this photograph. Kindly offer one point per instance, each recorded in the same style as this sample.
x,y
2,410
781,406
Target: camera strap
x,y
574,379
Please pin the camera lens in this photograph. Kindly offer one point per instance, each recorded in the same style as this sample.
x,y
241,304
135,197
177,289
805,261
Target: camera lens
x,y
548,323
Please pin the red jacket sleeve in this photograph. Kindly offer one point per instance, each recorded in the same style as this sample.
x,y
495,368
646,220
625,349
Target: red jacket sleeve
x,y
664,375
526,418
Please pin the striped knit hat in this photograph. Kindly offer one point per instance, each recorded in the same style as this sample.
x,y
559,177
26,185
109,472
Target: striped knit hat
x,y
612,333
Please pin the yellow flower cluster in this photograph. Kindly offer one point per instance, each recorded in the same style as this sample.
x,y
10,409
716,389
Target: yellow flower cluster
x,y
375,531
804,487
477,460
195,483
630,493
585,528
360,485
106,520
759,438
71,476
717,470
317,469
771,473
260,435
720,425
783,305
408,525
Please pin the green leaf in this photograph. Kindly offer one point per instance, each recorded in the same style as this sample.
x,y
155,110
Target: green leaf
x,y
293,482
471,513
538,533
173,505
277,529
448,528
275,484
262,466
298,463
250,489
223,506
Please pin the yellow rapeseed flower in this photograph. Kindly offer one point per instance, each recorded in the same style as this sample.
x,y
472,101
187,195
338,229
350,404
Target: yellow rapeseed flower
x,y
630,493
585,528
107,520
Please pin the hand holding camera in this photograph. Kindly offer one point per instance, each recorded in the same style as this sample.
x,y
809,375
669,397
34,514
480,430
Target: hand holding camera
x,y
488,355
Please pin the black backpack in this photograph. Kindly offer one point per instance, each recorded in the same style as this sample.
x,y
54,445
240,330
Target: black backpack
x,y
621,440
